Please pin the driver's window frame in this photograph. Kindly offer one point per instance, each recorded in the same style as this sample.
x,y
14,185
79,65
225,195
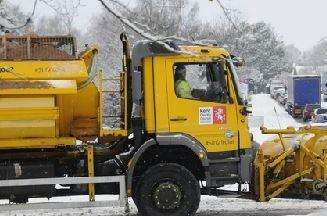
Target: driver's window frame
x,y
223,77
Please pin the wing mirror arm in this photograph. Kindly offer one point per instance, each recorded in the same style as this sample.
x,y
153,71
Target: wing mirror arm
x,y
245,111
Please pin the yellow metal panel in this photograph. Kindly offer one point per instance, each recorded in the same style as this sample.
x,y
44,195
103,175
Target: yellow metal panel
x,y
37,142
210,51
26,117
66,109
87,102
41,87
28,102
29,114
160,95
111,132
242,120
28,124
148,96
30,128
44,70
84,105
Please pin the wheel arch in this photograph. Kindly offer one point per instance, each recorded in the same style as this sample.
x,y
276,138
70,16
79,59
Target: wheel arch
x,y
169,143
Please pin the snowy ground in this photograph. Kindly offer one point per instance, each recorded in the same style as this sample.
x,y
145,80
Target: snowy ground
x,y
263,105
209,206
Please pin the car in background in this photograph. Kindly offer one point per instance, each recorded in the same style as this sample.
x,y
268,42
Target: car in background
x,y
308,111
274,90
319,111
320,120
278,92
282,99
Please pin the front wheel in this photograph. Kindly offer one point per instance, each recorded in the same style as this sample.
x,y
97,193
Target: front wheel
x,y
167,190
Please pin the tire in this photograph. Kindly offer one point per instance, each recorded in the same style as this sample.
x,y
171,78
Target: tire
x,y
172,179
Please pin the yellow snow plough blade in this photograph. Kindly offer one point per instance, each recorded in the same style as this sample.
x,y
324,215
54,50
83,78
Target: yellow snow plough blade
x,y
292,164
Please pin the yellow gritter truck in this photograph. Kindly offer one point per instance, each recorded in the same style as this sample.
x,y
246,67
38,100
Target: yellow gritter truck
x,y
182,121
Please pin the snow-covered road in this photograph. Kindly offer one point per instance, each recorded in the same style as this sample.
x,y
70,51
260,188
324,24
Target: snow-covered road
x,y
210,206
263,105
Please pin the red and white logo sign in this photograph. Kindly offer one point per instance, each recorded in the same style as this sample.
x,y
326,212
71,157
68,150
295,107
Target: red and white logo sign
x,y
212,115
219,115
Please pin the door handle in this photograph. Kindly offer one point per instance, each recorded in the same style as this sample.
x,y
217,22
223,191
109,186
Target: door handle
x,y
178,118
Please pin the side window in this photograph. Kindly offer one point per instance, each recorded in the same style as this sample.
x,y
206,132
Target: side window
x,y
200,81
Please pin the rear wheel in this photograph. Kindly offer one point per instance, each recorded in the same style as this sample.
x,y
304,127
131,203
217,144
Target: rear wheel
x,y
167,190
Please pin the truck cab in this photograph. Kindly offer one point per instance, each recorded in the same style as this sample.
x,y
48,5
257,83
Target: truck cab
x,y
204,129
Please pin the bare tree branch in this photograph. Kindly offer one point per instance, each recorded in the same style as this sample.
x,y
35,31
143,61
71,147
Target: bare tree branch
x,y
66,9
227,14
134,28
12,22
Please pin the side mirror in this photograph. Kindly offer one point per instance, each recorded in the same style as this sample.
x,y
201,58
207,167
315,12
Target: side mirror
x,y
245,111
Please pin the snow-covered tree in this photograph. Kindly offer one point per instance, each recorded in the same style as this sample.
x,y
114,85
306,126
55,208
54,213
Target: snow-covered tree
x,y
163,17
54,26
293,53
317,56
191,27
12,19
66,12
60,22
158,17
258,44
168,17
50,25
104,31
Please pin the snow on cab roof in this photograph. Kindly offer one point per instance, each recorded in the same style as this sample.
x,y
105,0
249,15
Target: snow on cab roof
x,y
172,47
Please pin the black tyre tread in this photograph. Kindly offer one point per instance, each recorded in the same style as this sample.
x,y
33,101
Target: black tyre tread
x,y
188,208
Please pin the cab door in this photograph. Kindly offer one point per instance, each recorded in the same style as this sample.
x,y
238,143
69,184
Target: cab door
x,y
212,121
